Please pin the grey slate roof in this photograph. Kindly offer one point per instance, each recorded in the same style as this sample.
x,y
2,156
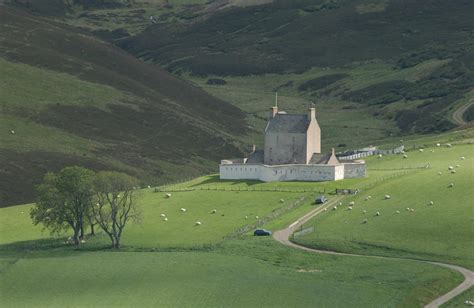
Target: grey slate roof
x,y
288,123
255,157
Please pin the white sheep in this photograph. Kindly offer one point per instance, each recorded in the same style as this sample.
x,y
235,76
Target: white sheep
x,y
12,132
380,156
450,168
408,208
198,223
386,197
431,202
214,211
440,173
448,145
256,217
463,158
398,212
453,171
438,145
165,219
325,209
377,214
457,166
405,156
364,211
168,195
370,197
451,185
412,210
420,150
334,208
162,215
340,203
246,217
364,221
282,200
83,241
366,198
349,208
148,186
351,203
432,151
183,210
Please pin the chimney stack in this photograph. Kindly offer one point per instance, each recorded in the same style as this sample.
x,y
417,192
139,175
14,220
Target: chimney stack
x,y
312,113
274,111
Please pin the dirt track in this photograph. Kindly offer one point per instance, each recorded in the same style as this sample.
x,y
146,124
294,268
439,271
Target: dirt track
x,y
458,114
283,237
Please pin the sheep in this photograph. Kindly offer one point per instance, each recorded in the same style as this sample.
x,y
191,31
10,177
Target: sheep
x,y
246,217
83,241
162,215
420,150
340,203
256,217
168,195
380,156
364,211
453,171
451,185
370,197
165,219
351,203
183,210
386,197
148,186
282,200
366,198
325,209
438,145
405,156
408,208
349,208
198,223
412,210
450,168
398,212
463,158
377,214
440,173
457,166
334,208
214,211
364,221
448,145
431,202
12,132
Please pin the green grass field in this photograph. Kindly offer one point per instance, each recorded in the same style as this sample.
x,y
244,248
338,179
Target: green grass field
x,y
459,301
176,263
442,231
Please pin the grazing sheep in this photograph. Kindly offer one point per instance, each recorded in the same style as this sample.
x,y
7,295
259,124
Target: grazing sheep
x,y
214,211
351,203
12,132
380,156
408,208
364,221
420,150
256,217
450,168
282,200
349,208
431,202
386,197
451,185
438,145
83,241
246,217
377,214
405,156
370,197
448,145
168,195
398,212
340,203
463,158
183,210
366,198
162,215
325,209
412,210
148,186
440,173
198,223
453,171
334,208
364,211
457,166
403,152
166,219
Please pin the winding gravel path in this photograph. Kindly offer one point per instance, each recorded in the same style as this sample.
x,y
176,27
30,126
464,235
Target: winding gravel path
x,y
283,236
458,115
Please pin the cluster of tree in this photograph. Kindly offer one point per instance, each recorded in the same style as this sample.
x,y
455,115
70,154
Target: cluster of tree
x,y
75,198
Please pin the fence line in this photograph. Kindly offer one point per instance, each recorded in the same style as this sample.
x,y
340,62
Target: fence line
x,y
363,153
216,188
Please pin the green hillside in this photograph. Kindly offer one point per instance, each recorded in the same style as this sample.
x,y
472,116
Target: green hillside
x,y
69,98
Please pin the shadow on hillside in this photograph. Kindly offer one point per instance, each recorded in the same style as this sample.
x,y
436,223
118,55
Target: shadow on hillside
x,y
214,179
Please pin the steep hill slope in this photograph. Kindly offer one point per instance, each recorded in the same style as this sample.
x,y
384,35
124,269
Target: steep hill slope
x,y
69,98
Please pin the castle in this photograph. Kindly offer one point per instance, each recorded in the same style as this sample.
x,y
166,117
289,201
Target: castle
x,y
292,152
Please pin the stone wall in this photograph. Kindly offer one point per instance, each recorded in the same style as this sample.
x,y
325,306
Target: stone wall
x,y
354,170
294,172
285,148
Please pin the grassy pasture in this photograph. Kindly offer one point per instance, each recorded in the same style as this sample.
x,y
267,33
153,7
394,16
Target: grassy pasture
x,y
459,301
442,231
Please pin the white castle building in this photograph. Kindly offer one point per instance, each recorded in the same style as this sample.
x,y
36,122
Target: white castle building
x,y
292,152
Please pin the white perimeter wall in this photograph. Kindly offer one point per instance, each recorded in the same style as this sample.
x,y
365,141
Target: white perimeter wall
x,y
354,170
266,173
